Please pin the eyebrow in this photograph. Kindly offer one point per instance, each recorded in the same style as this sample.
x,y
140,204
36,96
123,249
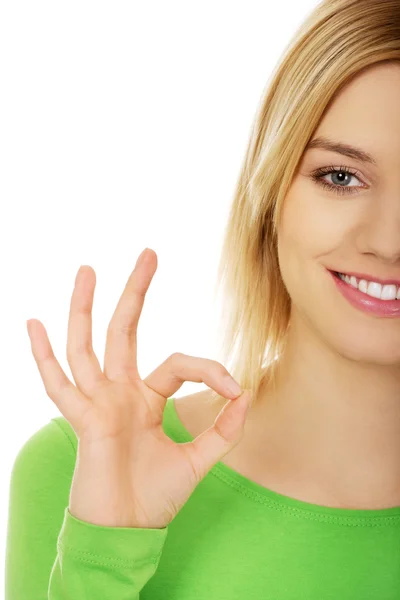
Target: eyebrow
x,y
350,151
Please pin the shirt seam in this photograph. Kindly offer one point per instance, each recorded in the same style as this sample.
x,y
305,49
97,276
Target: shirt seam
x,y
66,434
302,513
90,557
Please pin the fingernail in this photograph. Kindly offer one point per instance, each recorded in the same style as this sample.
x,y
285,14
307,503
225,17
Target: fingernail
x,y
232,386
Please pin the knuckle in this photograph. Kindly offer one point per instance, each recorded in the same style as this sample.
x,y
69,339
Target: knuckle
x,y
85,310
228,418
177,362
177,356
78,349
222,435
220,369
53,391
127,329
140,293
195,460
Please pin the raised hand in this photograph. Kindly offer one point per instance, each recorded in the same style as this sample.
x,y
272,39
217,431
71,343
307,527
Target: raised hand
x,y
128,472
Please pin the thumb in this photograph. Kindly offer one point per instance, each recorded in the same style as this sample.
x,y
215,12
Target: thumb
x,y
211,446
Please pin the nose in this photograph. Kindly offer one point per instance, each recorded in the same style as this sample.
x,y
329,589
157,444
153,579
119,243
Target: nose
x,y
381,236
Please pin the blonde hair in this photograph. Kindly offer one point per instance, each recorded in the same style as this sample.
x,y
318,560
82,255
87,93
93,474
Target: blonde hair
x,y
335,42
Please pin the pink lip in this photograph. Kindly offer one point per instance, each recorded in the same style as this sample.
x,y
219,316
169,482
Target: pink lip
x,y
365,303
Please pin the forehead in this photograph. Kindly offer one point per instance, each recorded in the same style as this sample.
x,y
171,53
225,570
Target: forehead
x,y
374,93
365,114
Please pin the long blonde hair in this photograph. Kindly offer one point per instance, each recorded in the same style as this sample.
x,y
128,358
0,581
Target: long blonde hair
x,y
335,42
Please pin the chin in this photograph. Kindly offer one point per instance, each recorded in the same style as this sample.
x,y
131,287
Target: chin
x,y
362,340
366,353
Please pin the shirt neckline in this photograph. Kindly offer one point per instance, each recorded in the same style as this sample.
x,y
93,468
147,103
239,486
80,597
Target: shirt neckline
x,y
259,493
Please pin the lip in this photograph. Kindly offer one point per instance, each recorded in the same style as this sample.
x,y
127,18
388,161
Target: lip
x,y
365,303
369,278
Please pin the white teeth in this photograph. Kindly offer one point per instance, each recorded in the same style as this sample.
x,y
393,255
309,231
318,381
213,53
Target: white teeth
x,y
375,290
388,292
371,288
363,286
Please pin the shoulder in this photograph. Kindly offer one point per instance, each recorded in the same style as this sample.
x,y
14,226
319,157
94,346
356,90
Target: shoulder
x,y
39,488
197,412
50,450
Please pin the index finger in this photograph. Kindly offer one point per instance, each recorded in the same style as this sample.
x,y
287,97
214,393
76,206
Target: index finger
x,y
120,357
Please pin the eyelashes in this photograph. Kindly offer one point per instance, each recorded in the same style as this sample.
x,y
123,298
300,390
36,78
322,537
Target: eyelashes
x,y
337,189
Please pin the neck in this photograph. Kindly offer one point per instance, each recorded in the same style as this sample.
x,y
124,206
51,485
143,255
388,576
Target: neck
x,y
334,422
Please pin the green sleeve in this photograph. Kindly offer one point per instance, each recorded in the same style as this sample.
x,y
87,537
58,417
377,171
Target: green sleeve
x,y
54,556
103,562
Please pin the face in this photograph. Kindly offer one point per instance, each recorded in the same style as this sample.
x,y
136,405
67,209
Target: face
x,y
356,231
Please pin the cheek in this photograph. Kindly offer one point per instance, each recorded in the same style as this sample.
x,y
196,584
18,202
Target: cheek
x,y
299,237
293,251
310,232
312,225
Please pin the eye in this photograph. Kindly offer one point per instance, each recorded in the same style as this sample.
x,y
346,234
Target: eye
x,y
345,177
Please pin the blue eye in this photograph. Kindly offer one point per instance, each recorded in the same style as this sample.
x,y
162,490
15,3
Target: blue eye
x,y
338,189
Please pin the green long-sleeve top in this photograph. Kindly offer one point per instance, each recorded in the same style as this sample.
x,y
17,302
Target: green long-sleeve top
x,y
233,539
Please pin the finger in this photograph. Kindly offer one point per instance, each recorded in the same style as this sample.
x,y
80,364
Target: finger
x,y
178,368
82,360
120,358
70,401
215,442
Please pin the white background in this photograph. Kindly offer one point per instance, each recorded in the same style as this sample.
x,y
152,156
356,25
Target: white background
x,y
122,125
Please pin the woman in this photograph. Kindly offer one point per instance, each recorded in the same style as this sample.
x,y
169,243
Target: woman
x,y
306,503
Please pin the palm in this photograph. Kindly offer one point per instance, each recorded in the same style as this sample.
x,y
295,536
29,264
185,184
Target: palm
x,y
118,429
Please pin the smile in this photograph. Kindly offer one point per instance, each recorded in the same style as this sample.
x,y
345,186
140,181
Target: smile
x,y
372,288
368,296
